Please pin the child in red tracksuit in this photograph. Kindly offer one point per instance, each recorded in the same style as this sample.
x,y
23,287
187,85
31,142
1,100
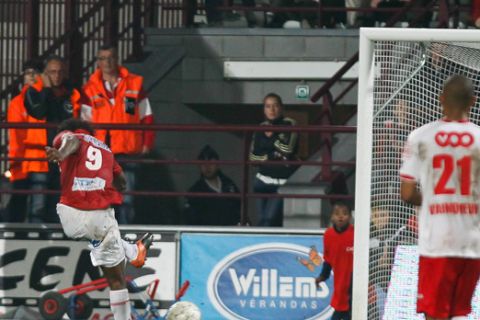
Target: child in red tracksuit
x,y
338,255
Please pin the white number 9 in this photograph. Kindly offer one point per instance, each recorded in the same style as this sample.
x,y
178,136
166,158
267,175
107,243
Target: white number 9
x,y
94,158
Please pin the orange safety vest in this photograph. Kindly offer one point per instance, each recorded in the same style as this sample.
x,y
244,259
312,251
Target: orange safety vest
x,y
127,97
28,142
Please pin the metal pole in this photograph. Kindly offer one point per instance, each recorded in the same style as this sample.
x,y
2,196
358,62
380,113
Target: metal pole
x,y
245,177
326,136
32,19
111,18
137,51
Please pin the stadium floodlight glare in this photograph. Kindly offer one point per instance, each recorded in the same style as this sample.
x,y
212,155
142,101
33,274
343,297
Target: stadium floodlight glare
x,y
401,73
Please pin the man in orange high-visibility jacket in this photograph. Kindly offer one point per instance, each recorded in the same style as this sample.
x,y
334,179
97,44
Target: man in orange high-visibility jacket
x,y
114,95
54,99
26,143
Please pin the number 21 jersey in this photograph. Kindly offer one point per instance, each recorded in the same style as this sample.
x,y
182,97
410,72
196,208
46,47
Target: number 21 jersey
x,y
444,158
87,175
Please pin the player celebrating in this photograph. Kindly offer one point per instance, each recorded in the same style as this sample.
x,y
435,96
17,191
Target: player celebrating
x,y
90,180
444,158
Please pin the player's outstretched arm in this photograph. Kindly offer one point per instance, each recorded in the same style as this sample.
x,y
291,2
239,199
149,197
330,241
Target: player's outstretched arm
x,y
70,144
410,193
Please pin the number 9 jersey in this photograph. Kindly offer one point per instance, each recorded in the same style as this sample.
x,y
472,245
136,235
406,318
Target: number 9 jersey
x,y
444,158
87,174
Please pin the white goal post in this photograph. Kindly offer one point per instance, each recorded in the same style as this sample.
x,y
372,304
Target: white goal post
x,y
400,71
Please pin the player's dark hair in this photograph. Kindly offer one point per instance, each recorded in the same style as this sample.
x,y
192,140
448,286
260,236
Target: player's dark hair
x,y
341,203
458,91
75,124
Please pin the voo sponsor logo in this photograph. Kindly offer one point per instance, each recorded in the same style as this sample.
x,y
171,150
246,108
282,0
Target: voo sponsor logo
x,y
266,281
454,139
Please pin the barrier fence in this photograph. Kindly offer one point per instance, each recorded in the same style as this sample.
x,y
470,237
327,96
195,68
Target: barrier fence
x,y
244,163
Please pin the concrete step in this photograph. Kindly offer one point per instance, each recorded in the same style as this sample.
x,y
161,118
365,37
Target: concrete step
x,y
304,213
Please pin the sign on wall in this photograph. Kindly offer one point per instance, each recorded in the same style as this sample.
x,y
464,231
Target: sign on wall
x,y
255,276
32,263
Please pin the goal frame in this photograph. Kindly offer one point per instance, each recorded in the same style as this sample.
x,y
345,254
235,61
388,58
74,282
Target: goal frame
x,y
364,143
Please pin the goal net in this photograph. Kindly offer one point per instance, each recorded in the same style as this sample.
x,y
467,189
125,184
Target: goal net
x,y
400,81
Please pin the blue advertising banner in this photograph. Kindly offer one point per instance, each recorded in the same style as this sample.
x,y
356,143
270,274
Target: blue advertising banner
x,y
255,276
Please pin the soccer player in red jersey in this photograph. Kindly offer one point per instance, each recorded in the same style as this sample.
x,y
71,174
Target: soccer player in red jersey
x,y
443,157
91,180
338,256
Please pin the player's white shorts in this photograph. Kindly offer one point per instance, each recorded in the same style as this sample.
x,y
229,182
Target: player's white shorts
x,y
97,226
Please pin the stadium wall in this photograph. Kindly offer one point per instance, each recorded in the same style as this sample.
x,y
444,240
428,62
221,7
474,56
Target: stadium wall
x,y
194,90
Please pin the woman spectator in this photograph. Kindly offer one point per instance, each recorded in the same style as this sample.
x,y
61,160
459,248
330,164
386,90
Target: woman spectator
x,y
272,146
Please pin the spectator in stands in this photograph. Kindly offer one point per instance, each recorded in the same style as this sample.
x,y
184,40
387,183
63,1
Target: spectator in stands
x,y
114,95
329,19
26,143
416,12
333,19
382,17
354,17
273,146
380,258
279,18
249,15
214,15
52,98
386,234
190,12
212,211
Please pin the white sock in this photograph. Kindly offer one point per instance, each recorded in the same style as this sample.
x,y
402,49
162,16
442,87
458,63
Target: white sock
x,y
131,250
120,304
459,318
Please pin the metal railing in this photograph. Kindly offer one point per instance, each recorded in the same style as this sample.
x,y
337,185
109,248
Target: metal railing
x,y
244,162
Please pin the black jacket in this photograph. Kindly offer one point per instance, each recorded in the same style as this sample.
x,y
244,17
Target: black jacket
x,y
45,105
280,146
213,211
